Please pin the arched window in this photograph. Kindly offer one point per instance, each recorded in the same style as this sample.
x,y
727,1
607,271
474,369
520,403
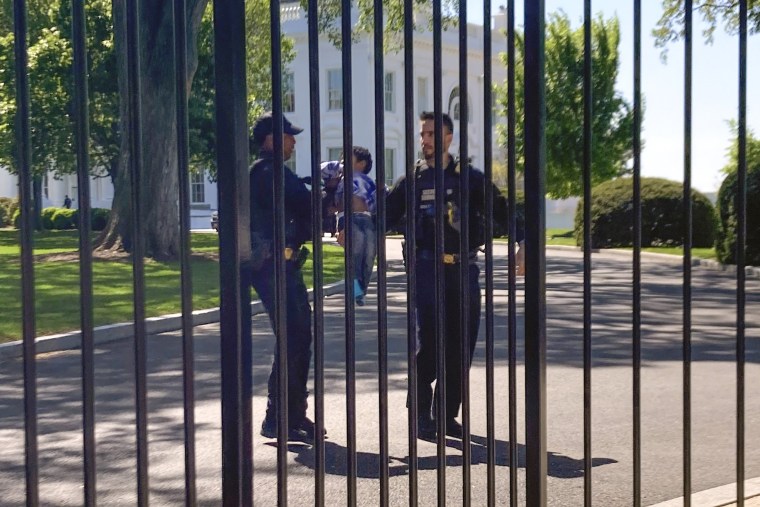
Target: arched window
x,y
454,107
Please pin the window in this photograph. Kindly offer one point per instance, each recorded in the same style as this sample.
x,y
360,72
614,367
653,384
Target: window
x,y
197,187
334,90
390,166
454,105
422,94
334,153
288,93
390,91
46,186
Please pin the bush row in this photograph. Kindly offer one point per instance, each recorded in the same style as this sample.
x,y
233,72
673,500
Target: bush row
x,y
63,218
662,215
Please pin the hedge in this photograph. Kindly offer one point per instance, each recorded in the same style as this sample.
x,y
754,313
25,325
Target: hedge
x,y
64,218
661,215
725,245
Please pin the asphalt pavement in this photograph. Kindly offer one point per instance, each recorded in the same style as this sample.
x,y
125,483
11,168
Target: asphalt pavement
x,y
713,400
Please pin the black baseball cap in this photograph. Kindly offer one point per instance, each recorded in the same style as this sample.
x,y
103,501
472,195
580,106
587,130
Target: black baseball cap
x,y
264,126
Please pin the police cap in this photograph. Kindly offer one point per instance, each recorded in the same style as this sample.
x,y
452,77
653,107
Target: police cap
x,y
264,126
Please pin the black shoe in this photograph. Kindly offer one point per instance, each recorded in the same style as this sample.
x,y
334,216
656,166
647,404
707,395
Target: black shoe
x,y
426,429
299,432
269,427
360,301
454,429
304,431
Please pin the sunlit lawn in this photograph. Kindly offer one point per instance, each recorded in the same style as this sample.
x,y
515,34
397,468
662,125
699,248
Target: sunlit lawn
x,y
56,283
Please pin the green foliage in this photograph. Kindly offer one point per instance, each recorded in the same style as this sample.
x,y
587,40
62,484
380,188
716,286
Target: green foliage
x,y
51,87
612,115
16,218
727,208
64,219
8,206
99,218
661,215
752,147
670,27
201,101
329,15
47,217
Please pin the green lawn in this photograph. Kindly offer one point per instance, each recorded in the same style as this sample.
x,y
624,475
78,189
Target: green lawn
x,y
57,283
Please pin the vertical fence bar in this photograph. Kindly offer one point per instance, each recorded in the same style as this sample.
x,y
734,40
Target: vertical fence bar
x,y
410,255
464,250
488,171
741,241
188,391
382,303
82,135
234,235
440,314
535,240
687,244
511,274
348,175
138,249
318,274
587,161
281,315
24,147
636,323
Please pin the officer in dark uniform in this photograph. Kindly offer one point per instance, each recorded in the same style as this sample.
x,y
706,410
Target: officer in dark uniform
x,y
297,231
425,227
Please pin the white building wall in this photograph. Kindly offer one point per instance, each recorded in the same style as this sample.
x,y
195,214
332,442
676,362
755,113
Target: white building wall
x,y
294,25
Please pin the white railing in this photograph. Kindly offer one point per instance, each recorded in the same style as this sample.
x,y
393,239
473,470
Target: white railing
x,y
290,12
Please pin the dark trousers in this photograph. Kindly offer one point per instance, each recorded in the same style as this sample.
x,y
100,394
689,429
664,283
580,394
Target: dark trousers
x,y
298,318
426,353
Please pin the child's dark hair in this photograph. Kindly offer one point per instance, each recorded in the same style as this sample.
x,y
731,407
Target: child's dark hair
x,y
362,154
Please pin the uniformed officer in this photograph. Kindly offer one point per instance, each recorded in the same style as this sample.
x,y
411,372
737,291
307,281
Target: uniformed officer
x,y
297,231
425,226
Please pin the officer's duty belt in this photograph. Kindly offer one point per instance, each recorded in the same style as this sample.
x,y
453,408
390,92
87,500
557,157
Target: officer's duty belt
x,y
447,258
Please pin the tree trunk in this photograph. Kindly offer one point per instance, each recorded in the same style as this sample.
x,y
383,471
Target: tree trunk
x,y
159,180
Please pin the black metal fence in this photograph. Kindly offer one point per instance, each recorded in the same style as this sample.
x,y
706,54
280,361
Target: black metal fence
x,y
235,324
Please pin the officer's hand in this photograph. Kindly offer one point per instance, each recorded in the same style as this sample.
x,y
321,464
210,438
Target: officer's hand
x,y
306,180
342,238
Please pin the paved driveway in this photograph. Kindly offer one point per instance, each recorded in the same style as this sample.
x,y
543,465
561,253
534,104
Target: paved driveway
x,y
714,404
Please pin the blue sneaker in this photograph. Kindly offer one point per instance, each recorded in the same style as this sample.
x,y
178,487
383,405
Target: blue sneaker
x,y
358,292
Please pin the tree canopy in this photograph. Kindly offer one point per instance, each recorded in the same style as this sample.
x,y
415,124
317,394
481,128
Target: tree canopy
x,y
51,87
612,115
670,26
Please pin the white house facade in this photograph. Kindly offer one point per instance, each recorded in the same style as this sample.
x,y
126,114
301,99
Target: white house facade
x,y
296,99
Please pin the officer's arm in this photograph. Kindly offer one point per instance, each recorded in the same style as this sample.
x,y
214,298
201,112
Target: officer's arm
x,y
298,199
395,205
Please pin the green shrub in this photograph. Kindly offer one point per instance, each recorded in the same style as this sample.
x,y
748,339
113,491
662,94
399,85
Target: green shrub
x,y
8,206
47,217
725,246
16,218
661,215
64,219
99,218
